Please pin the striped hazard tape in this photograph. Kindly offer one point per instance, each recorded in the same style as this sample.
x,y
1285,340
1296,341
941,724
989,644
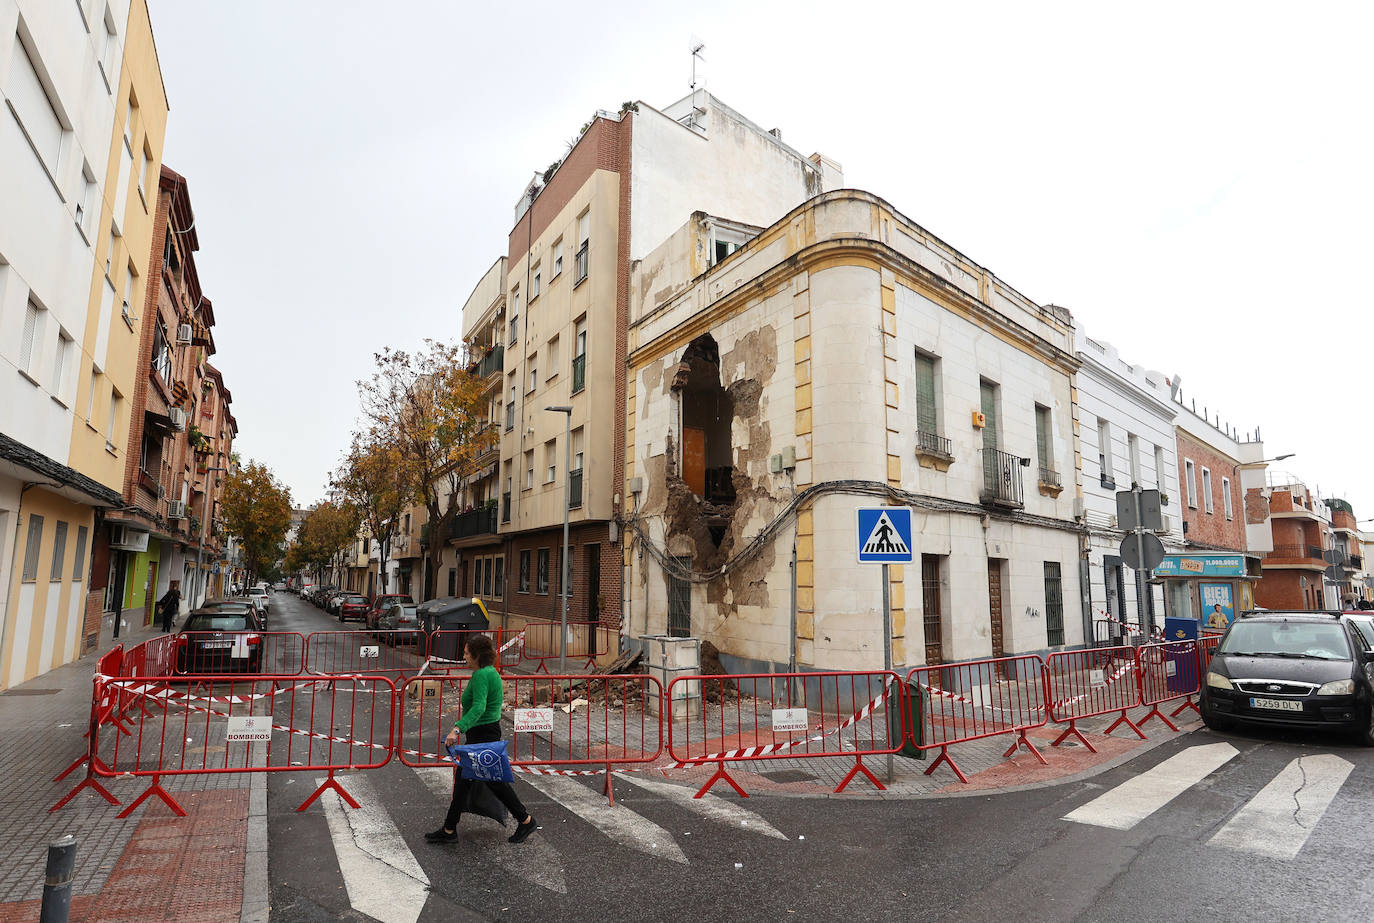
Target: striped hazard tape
x,y
499,651
164,692
1107,680
964,700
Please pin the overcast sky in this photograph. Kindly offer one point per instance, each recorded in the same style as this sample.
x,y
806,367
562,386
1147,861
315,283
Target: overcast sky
x,y
1192,180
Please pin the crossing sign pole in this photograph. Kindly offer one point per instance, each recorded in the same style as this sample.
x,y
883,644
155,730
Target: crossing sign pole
x,y
884,537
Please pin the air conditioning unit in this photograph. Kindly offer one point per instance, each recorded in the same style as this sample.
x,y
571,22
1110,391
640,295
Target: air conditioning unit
x,y
123,538
1166,525
178,419
176,509
184,333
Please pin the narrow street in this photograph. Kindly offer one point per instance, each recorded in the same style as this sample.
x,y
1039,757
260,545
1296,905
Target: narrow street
x,y
1215,849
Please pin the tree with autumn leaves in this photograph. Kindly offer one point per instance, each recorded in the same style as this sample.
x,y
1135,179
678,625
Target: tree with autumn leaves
x,y
327,530
427,409
373,479
256,508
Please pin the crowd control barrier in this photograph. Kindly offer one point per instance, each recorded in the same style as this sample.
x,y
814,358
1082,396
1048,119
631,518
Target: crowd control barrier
x,y
769,716
1168,672
222,724
977,699
249,652
586,642
447,647
104,708
395,654
1090,684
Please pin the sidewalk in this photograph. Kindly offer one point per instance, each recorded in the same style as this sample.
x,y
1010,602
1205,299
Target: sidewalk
x,y
207,867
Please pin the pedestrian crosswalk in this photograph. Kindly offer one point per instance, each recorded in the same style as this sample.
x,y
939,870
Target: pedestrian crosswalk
x,y
1276,822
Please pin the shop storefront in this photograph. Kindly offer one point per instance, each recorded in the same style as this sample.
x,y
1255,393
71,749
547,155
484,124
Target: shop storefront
x,y
1210,587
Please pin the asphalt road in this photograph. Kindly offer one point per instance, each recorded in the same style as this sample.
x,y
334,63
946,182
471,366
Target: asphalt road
x,y
1214,852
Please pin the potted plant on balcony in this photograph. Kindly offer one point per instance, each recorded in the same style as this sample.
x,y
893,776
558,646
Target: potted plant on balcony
x,y
199,441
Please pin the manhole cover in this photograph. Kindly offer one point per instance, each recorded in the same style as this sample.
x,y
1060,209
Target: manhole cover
x,y
788,775
31,692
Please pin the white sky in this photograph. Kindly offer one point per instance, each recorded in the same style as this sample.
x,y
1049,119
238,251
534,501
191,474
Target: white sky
x,y
1192,180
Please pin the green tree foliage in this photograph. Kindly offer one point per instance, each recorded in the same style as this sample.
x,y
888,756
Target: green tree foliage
x,y
373,481
327,530
256,507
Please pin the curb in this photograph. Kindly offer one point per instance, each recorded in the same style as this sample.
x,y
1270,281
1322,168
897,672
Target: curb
x,y
256,905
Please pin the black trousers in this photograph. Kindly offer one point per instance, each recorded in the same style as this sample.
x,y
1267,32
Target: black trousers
x,y
168,615
481,734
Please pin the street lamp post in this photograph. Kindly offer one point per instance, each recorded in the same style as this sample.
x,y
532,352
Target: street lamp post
x,y
567,503
204,524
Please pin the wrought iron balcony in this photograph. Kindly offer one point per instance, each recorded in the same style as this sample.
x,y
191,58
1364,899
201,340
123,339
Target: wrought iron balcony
x,y
574,489
1002,479
472,523
1051,477
1299,552
933,442
492,362
579,371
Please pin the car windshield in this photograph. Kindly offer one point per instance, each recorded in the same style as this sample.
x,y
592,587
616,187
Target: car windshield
x,y
218,621
1317,640
405,612
355,601
229,606
257,591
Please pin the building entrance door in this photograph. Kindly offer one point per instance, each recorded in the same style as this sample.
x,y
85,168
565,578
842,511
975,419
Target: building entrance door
x,y
150,595
932,616
995,607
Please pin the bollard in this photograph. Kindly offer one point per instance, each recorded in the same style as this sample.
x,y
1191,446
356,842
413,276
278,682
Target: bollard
x,y
57,886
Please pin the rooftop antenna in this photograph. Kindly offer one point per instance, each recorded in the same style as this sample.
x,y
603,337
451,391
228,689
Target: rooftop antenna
x,y
697,46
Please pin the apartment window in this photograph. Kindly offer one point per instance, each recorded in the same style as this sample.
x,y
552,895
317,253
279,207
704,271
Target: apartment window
x,y
452,581
577,449
59,552
31,337
129,293
583,230
1226,498
524,571
498,577
1042,440
529,469
145,170
1206,491
1104,453
32,549
34,107
115,406
79,560
110,255
533,362
510,404
478,564
541,573
1159,468
110,50
550,461
514,315
61,363
1190,481
552,351
1133,456
927,404
162,354
486,578
85,196
579,363
536,276
1054,604
90,395
557,259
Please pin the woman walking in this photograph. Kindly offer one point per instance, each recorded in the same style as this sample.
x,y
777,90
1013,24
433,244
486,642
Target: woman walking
x,y
480,722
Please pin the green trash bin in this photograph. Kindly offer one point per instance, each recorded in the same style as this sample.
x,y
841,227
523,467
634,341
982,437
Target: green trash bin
x,y
915,696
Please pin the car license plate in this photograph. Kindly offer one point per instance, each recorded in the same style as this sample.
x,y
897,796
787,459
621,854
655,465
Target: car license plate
x,y
218,645
1276,704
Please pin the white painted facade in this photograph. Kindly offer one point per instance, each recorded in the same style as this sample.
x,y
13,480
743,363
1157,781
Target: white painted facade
x,y
1131,406
849,413
58,74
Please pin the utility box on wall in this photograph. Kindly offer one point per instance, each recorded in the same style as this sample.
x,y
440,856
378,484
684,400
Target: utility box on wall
x,y
668,658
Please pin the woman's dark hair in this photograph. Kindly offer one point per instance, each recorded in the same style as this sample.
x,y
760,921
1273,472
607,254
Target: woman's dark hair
x,y
481,649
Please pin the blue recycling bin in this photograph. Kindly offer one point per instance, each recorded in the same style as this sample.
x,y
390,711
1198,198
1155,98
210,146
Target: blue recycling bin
x,y
1181,663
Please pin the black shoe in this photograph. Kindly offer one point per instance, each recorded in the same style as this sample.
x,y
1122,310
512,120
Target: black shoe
x,y
441,836
523,830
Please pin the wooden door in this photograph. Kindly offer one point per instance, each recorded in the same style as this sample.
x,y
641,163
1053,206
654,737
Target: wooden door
x,y
932,613
694,459
995,606
150,594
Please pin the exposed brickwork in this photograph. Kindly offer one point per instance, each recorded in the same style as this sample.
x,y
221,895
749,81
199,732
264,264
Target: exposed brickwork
x,y
1283,589
531,604
1257,506
598,149
1209,528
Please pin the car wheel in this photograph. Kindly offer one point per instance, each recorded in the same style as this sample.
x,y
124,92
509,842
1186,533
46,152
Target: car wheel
x,y
1366,736
1216,724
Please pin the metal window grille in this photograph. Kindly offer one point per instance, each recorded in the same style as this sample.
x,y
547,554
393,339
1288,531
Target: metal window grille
x,y
574,489
581,263
541,573
930,600
680,600
579,370
1054,604
524,572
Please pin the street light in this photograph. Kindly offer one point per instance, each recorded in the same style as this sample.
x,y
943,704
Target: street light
x,y
567,502
204,524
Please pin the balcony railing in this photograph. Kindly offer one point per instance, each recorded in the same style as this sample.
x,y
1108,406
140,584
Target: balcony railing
x,y
579,373
492,362
581,264
1002,479
1356,561
933,442
510,417
472,523
505,507
1050,476
1298,552
575,489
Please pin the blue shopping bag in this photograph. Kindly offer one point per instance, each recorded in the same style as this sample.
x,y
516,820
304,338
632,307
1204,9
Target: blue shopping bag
x,y
484,762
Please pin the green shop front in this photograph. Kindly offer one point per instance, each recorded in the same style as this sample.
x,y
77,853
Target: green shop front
x,y
1209,587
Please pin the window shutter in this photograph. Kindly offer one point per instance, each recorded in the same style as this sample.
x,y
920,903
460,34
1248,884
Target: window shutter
x,y
925,394
26,343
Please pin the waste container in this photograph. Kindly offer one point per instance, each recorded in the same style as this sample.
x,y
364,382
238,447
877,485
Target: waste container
x,y
448,621
915,697
1180,665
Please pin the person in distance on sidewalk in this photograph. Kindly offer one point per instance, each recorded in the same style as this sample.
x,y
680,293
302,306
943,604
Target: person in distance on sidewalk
x,y
480,722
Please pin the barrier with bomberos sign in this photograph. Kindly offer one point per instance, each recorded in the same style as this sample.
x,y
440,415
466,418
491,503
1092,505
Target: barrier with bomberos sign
x,y
1089,684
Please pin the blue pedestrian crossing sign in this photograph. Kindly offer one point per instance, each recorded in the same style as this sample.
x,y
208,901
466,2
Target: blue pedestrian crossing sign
x,y
885,535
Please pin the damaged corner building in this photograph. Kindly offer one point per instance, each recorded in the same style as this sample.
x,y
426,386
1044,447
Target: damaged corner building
x,y
781,377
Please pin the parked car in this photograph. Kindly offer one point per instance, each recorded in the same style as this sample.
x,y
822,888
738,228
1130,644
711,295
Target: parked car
x,y
224,639
331,604
448,622
403,618
351,606
382,604
259,593
1292,669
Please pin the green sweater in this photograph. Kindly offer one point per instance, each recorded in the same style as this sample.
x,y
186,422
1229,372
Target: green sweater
x,y
482,699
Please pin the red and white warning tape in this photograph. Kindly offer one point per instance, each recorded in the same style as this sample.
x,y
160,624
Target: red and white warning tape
x,y
1107,680
162,691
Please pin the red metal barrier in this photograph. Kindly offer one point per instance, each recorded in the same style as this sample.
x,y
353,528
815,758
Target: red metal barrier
x,y
980,698
365,653
1166,672
224,724
611,721
768,716
586,642
1091,683
446,648
104,702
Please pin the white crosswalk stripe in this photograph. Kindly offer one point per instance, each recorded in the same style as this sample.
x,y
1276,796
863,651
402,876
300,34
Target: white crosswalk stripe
x,y
1277,821
711,807
617,822
1132,801
535,860
381,874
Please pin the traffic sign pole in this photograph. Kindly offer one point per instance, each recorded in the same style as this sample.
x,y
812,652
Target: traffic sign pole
x,y
1140,569
887,654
